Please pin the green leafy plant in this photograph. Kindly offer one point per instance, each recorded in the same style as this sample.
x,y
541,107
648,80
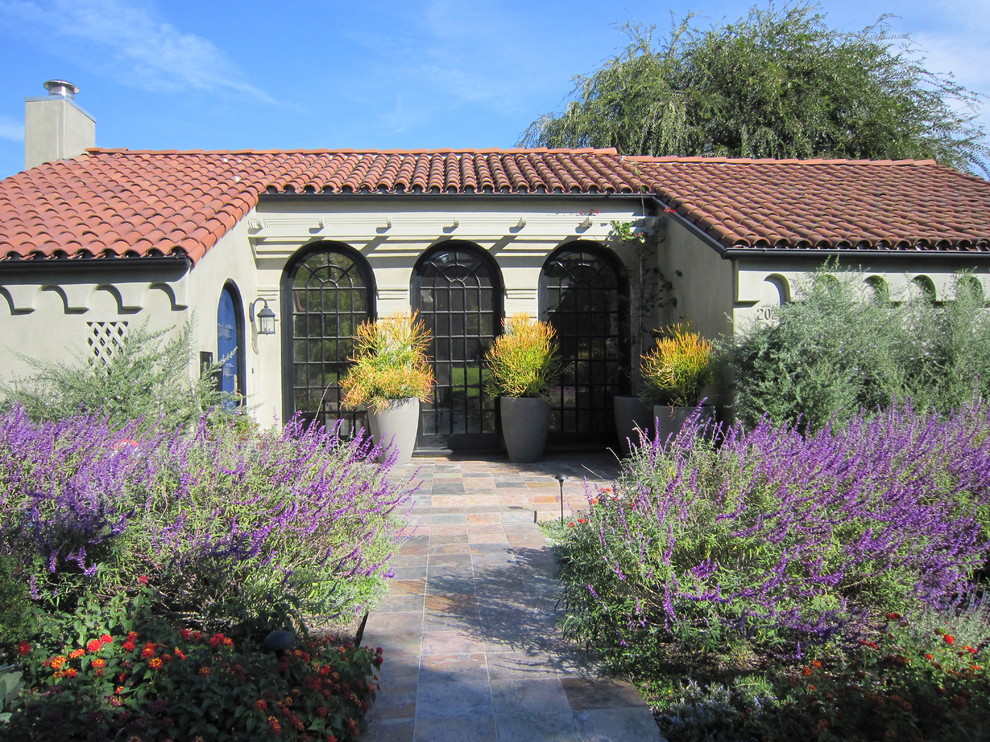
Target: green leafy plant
x,y
678,368
523,360
841,347
390,363
147,377
127,672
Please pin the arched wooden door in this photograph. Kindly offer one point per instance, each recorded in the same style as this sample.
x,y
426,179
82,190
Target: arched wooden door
x,y
327,292
584,292
230,345
457,290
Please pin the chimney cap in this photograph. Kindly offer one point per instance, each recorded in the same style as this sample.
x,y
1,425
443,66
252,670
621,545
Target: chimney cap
x,y
61,87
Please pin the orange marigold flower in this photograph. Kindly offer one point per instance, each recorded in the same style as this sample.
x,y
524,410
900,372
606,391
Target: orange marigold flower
x,y
228,642
58,662
816,663
806,671
975,668
99,662
119,689
71,672
155,663
971,650
929,657
180,654
606,489
76,653
594,500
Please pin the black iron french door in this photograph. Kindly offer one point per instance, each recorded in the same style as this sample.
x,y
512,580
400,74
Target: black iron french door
x,y
458,293
584,293
326,295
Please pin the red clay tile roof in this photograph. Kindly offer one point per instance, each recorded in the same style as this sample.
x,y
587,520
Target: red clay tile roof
x,y
903,205
121,203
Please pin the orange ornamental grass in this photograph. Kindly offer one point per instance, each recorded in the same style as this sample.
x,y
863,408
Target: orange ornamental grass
x,y
678,368
390,363
523,360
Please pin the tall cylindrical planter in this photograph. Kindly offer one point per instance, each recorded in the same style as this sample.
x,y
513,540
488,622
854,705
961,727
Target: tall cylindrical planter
x,y
396,427
631,416
670,420
525,424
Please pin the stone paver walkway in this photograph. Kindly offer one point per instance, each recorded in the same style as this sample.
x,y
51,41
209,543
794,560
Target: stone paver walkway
x,y
473,650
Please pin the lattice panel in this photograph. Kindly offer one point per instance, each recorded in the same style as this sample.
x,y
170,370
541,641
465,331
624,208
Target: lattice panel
x,y
106,339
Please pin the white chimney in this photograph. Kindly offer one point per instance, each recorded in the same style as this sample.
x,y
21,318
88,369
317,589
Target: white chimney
x,y
55,128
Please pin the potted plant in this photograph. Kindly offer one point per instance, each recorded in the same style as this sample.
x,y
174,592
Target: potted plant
x,y
391,375
652,291
524,364
675,373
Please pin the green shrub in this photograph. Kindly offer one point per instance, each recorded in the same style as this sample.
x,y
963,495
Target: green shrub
x,y
838,350
17,613
146,377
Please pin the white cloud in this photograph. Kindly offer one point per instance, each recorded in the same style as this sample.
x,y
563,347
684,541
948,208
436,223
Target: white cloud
x,y
135,44
11,129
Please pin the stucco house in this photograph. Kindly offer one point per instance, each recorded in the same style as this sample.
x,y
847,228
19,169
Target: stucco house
x,y
94,242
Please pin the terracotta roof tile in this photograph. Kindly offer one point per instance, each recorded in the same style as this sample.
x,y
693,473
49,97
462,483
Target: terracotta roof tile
x,y
112,202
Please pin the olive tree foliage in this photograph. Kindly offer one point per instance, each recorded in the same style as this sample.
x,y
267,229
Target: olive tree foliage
x,y
776,83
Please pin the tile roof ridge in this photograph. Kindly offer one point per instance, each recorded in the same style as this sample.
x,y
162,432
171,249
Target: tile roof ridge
x,y
771,161
358,151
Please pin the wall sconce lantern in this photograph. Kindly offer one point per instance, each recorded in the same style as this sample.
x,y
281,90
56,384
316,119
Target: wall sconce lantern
x,y
266,318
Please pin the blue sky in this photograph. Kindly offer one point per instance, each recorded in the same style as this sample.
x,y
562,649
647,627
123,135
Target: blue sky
x,y
172,74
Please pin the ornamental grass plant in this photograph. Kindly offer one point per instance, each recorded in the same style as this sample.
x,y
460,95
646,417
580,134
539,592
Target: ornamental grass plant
x,y
523,361
390,363
678,368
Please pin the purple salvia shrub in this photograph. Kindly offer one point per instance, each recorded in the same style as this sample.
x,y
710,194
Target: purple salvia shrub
x,y
774,542
229,526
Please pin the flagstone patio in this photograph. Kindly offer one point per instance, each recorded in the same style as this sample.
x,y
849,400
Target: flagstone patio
x,y
473,649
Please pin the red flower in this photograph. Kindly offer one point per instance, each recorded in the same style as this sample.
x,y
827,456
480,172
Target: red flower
x,y
127,646
155,663
106,639
99,662
185,634
949,639
261,704
871,645
274,725
929,657
971,650
893,616
24,648
76,653
582,520
571,524
143,579
71,672
149,650
93,645
132,636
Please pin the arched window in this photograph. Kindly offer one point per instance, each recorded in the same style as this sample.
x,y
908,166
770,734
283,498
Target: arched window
x,y
923,288
879,289
584,295
327,291
457,289
230,343
775,291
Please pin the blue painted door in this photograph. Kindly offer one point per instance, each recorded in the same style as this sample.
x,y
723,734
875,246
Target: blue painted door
x,y
228,347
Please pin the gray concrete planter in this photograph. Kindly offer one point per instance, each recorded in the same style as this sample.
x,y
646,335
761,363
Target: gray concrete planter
x,y
525,424
631,416
670,420
396,427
